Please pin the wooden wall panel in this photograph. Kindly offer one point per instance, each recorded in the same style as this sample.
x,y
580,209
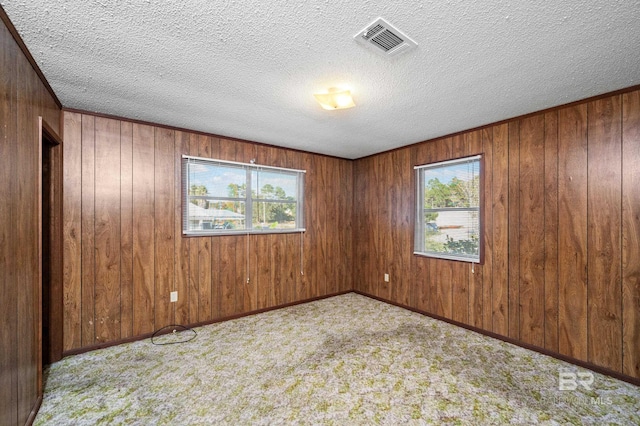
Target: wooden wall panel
x,y
401,221
107,230
500,228
321,274
604,211
531,231
560,227
514,229
424,287
164,227
72,254
27,223
631,234
143,229
138,169
551,231
24,100
572,231
126,229
88,230
8,192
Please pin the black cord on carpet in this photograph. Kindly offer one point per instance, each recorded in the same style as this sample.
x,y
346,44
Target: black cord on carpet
x,y
176,328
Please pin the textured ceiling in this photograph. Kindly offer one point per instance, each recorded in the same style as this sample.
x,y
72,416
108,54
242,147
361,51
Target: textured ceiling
x,y
248,69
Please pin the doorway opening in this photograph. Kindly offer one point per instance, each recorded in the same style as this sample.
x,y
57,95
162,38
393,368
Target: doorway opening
x,y
51,244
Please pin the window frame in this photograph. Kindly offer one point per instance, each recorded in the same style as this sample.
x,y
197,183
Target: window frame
x,y
249,199
420,224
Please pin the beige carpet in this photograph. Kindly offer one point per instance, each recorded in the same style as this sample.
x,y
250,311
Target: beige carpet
x,y
345,360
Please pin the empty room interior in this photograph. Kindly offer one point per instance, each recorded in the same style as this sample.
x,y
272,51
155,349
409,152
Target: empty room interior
x,y
319,212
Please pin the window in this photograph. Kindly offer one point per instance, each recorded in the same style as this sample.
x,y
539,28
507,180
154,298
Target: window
x,y
448,209
224,197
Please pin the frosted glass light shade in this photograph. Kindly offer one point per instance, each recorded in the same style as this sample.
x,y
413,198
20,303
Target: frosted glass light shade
x,y
335,99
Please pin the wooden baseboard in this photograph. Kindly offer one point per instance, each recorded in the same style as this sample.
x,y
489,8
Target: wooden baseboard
x,y
198,324
593,367
34,411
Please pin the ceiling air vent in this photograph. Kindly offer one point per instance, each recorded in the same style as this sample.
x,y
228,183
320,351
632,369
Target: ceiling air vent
x,y
383,38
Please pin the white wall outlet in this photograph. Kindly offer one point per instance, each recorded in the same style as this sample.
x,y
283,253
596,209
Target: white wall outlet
x,y
174,296
386,278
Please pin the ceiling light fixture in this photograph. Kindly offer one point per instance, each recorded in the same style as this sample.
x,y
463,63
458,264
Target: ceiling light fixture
x,y
335,99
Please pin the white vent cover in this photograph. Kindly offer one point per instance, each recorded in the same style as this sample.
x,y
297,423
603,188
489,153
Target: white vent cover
x,y
385,39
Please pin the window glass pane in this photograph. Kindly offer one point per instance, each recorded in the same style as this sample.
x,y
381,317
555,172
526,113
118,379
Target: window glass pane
x,y
216,214
274,215
454,233
451,186
274,185
448,220
217,180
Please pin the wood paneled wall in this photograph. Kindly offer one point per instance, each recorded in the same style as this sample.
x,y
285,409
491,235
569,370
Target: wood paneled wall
x,y
561,227
23,98
124,250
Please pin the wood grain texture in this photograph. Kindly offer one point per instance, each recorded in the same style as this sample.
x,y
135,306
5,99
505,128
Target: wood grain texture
x,y
28,229
107,230
500,186
24,100
321,274
126,230
531,231
572,231
143,229
164,232
631,234
401,225
72,254
551,231
604,208
514,229
88,230
8,210
424,287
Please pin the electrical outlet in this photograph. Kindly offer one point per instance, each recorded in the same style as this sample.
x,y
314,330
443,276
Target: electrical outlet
x,y
386,278
174,296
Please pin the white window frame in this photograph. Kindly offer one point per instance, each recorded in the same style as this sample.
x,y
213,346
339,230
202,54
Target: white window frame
x,y
421,224
248,199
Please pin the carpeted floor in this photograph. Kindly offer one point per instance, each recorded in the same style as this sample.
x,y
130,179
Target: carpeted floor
x,y
345,360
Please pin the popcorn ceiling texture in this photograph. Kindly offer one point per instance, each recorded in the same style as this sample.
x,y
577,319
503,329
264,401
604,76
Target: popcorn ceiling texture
x,y
248,69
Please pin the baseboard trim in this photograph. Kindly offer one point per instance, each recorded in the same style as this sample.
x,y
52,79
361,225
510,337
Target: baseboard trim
x,y
198,324
580,363
34,411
